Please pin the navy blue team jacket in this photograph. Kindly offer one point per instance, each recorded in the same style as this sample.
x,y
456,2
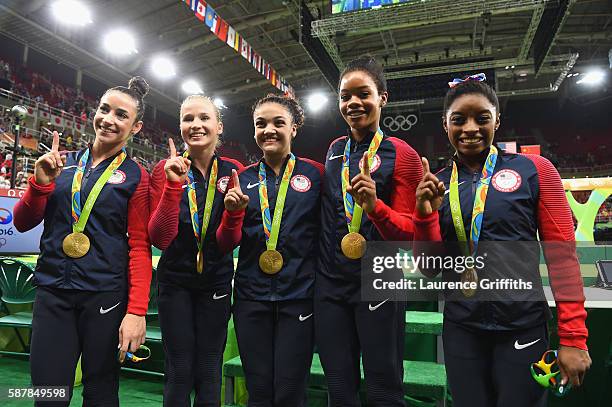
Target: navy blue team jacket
x,y
119,244
397,171
177,264
297,240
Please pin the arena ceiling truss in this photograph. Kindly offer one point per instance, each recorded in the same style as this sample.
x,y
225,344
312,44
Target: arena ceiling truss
x,y
527,46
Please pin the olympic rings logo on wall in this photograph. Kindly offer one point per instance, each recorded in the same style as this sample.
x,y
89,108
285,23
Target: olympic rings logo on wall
x,y
400,122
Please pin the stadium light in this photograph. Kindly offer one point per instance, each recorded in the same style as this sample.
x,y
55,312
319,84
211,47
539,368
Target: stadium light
x,y
120,42
593,77
316,101
71,12
163,67
219,103
191,87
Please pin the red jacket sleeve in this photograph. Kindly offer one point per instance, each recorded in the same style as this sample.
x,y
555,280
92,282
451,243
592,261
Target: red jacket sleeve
x,y
557,236
140,267
165,200
427,229
30,210
229,232
395,222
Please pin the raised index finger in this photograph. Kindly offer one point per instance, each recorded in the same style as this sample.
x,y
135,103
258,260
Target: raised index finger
x,y
171,147
235,180
425,165
366,164
55,143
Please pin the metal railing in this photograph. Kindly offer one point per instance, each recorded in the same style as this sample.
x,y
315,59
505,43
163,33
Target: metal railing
x,y
28,102
137,142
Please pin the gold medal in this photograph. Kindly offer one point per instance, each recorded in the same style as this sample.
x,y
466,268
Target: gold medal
x,y
200,262
271,262
469,276
76,245
353,245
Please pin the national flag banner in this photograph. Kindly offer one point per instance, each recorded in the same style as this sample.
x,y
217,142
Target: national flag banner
x,y
507,146
44,114
193,4
223,29
267,71
215,24
237,42
231,36
31,111
531,149
68,123
57,120
200,12
210,16
226,33
79,126
255,59
245,49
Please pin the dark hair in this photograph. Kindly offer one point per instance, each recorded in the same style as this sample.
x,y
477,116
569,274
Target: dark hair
x,y
470,87
369,65
137,88
291,104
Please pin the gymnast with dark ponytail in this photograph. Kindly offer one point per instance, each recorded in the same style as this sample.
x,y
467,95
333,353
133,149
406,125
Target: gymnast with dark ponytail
x,y
94,270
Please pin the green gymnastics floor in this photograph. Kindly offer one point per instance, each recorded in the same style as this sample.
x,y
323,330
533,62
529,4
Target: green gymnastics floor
x,y
135,390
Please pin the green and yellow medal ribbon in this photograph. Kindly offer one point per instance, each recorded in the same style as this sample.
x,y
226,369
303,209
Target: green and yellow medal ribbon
x,y
77,244
470,247
271,261
200,228
353,244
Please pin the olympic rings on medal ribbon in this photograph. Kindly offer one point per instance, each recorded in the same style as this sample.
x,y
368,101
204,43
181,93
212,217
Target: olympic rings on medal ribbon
x,y
400,122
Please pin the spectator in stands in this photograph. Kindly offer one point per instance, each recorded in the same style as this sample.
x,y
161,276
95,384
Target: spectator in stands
x,y
69,144
8,163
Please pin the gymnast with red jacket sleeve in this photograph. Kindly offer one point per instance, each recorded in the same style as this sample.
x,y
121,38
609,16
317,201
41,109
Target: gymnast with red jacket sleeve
x,y
194,275
383,173
525,197
94,270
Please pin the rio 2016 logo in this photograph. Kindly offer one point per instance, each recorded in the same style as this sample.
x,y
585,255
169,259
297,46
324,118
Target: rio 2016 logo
x,y
6,216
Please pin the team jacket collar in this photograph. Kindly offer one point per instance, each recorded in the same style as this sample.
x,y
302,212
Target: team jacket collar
x,y
105,162
212,159
366,140
282,170
461,166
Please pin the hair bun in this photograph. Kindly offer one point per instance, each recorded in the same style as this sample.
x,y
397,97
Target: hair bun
x,y
139,85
